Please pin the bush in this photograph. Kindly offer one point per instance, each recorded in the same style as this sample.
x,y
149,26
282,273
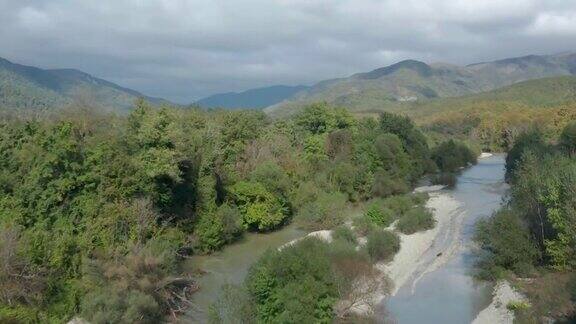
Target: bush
x,y
382,245
447,179
261,209
234,305
218,228
272,176
326,212
384,185
506,244
517,305
363,225
133,289
378,214
400,204
294,285
415,220
452,155
345,234
304,193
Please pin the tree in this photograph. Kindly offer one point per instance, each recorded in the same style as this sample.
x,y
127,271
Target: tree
x,y
452,155
568,139
261,210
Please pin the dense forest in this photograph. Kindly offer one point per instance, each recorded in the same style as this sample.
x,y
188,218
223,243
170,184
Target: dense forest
x,y
534,235
98,210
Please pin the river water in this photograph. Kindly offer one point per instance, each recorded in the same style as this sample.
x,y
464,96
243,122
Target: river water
x,y
447,294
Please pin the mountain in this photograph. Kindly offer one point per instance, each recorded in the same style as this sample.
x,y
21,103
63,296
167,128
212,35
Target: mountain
x,y
413,81
493,119
255,98
27,87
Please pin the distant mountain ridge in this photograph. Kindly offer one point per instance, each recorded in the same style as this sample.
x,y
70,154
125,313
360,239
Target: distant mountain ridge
x,y
28,87
254,98
412,80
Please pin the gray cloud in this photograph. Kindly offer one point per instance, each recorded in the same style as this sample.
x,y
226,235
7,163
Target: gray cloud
x,y
183,50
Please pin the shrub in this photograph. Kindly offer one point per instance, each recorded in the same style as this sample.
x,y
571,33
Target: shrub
x,y
363,225
345,234
378,214
132,289
447,179
272,176
452,155
567,140
415,220
218,228
234,305
304,193
400,204
506,243
517,305
384,185
382,245
261,209
326,212
209,233
294,285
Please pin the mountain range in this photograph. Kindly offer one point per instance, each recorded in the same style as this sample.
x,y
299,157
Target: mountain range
x,y
386,88
254,98
412,81
27,87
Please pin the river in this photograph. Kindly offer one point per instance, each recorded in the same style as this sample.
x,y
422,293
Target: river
x,y
443,294
449,294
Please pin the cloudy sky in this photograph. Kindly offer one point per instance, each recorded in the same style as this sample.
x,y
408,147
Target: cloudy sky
x,y
185,49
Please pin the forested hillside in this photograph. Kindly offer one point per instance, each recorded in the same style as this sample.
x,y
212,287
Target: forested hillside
x,y
402,84
98,210
31,88
494,119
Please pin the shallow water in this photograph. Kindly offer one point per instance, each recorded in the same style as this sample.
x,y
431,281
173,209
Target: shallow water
x,y
231,266
449,294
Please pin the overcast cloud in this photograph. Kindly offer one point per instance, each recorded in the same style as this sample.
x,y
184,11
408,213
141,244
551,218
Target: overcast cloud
x,y
185,49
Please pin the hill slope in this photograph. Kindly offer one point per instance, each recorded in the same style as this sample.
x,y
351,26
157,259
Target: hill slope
x,y
410,81
254,98
27,87
494,118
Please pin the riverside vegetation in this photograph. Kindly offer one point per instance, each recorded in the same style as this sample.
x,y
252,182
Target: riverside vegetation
x,y
534,235
98,210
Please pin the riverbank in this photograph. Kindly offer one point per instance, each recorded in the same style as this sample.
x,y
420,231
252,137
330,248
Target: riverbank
x,y
423,251
498,311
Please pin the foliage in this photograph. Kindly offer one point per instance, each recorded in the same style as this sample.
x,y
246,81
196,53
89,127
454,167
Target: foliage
x,y
567,140
223,226
452,155
416,220
538,228
326,212
363,225
382,245
378,214
413,140
507,245
234,305
532,140
84,188
259,207
133,289
295,285
345,234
